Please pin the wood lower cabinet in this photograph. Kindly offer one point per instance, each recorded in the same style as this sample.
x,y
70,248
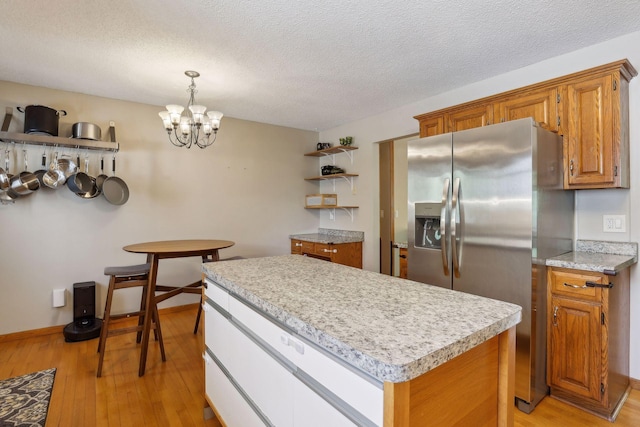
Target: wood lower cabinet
x,y
341,253
403,262
590,109
588,339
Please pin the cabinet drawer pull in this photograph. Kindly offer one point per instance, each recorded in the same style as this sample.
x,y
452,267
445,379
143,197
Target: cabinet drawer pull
x,y
589,285
298,244
571,285
599,285
335,251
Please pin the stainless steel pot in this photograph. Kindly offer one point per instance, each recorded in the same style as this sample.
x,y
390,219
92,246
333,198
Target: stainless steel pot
x,y
94,191
54,178
39,119
25,182
67,166
84,130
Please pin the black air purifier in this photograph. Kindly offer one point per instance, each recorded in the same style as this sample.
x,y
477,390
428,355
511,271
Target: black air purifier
x,y
85,325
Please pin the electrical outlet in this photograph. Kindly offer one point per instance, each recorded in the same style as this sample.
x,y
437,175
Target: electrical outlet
x,y
614,223
332,215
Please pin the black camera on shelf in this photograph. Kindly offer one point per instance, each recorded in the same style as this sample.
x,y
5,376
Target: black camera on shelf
x,y
323,145
331,170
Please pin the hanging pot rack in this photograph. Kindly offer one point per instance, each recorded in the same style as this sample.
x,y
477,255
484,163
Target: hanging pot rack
x,y
56,141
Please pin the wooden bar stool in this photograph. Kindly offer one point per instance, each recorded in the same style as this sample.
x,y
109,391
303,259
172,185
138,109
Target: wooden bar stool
x,y
123,278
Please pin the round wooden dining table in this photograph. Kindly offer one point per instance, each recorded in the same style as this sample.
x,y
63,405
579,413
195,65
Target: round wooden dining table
x,y
206,249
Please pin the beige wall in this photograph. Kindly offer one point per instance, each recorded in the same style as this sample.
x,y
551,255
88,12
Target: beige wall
x,y
248,187
590,204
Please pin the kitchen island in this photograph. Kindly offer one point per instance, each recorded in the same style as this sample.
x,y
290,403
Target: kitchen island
x,y
296,341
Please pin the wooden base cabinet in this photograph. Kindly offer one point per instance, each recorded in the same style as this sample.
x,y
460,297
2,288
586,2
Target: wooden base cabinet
x,y
403,262
588,339
341,253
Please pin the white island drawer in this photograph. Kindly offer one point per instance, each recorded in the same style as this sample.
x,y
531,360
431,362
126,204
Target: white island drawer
x,y
217,294
366,396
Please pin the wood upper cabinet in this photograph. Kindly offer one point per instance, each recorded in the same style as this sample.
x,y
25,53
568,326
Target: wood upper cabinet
x,y
432,125
588,339
469,118
589,108
596,138
540,104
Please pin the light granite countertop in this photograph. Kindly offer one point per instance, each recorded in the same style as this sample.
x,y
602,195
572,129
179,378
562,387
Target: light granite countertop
x,y
330,236
391,328
599,256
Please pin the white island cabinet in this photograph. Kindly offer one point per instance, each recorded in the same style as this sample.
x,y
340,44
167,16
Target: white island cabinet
x,y
294,341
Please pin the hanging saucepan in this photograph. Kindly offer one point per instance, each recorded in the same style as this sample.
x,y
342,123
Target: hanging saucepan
x,y
80,182
25,182
100,178
84,130
94,191
114,189
54,178
39,119
67,166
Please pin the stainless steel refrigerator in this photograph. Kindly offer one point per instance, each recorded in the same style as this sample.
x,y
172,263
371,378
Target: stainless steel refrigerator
x,y
486,209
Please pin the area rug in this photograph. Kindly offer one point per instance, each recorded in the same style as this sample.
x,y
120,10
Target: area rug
x,y
24,400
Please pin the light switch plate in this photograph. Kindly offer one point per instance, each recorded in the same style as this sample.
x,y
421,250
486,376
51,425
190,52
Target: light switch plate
x,y
614,223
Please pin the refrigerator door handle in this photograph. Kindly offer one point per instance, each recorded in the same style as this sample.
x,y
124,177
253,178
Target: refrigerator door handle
x,y
443,227
455,202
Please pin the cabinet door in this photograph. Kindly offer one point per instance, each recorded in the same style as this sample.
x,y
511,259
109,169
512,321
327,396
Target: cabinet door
x,y
590,135
541,105
575,347
432,126
347,254
469,118
403,262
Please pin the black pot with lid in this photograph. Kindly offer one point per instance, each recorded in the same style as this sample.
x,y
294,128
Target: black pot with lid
x,y
41,120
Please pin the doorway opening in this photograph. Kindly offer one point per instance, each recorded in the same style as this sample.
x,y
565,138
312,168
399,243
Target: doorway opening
x,y
393,202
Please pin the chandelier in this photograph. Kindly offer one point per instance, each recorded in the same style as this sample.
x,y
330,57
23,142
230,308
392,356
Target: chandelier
x,y
192,127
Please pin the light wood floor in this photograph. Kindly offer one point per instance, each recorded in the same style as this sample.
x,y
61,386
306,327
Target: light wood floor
x,y
171,393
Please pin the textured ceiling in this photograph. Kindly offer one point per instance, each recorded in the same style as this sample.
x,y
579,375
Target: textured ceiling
x,y
304,64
